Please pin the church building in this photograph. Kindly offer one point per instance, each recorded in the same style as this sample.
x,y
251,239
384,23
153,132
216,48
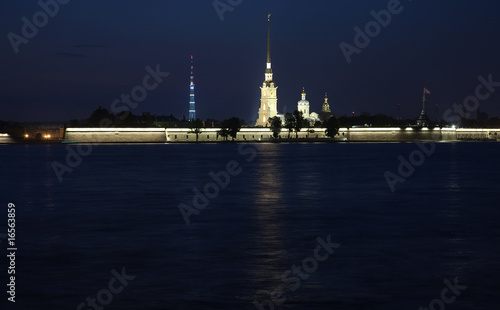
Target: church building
x,y
269,91
303,105
269,96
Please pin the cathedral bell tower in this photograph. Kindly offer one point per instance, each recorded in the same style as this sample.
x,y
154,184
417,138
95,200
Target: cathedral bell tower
x,y
269,97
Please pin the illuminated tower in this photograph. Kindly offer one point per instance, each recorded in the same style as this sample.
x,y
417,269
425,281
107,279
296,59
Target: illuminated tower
x,y
192,106
269,96
303,105
326,112
326,106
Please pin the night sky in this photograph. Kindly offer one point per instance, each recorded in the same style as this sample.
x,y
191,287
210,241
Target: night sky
x,y
92,51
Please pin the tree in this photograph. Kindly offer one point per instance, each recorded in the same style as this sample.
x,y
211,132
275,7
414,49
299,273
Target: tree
x,y
127,118
332,127
234,125
223,132
324,116
299,122
275,126
195,126
289,123
230,127
99,116
74,123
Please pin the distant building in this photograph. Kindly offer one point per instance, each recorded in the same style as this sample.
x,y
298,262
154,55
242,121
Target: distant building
x,y
303,105
44,131
326,112
313,117
326,106
269,91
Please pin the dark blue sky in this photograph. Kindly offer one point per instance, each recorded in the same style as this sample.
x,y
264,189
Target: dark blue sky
x,y
93,51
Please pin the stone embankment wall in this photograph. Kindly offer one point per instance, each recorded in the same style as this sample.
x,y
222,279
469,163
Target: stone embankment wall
x,y
365,134
115,135
5,138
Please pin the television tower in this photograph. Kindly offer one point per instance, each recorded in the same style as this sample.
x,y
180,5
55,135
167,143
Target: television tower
x,y
192,106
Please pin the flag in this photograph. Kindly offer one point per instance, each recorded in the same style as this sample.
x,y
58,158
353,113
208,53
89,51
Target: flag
x,y
427,91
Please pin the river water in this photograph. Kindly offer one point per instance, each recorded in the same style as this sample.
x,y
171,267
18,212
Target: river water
x,y
278,226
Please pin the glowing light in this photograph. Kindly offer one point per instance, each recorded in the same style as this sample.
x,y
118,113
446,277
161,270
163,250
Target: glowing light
x,y
26,136
376,129
115,129
471,130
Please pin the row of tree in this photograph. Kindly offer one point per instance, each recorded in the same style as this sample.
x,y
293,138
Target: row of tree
x,y
296,122
228,128
293,122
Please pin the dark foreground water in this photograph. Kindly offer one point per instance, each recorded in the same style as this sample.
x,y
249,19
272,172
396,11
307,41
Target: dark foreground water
x,y
259,236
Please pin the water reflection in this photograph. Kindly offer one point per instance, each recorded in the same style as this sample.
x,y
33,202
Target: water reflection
x,y
453,170
270,205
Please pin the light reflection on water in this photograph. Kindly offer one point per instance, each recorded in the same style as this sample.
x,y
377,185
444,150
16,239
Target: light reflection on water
x,y
269,207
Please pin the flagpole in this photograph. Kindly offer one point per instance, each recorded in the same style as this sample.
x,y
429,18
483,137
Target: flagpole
x,y
423,101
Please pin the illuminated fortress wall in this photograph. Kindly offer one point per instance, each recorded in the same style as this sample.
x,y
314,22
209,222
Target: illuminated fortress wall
x,y
5,138
418,134
245,134
115,135
398,134
367,134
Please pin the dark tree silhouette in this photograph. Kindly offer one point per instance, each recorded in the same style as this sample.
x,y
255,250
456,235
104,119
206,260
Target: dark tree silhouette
x,y
126,118
234,126
230,128
195,127
332,127
275,126
223,132
299,122
289,123
100,116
